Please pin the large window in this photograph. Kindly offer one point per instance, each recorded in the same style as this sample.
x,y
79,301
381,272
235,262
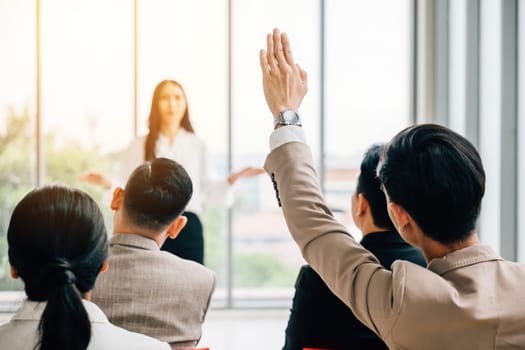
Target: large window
x,y
17,116
367,87
265,258
86,88
100,61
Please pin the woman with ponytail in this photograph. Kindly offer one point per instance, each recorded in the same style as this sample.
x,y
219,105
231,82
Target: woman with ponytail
x,y
171,136
57,246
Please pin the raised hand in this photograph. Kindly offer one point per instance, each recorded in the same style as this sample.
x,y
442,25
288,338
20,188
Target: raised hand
x,y
284,82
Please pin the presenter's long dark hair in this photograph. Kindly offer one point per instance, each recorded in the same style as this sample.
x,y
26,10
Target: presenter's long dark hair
x,y
155,120
57,245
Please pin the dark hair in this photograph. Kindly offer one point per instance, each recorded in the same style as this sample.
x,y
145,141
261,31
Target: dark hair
x,y
369,185
156,193
437,176
57,245
154,120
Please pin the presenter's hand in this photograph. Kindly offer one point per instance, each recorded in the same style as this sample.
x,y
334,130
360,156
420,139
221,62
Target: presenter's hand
x,y
96,178
246,172
284,82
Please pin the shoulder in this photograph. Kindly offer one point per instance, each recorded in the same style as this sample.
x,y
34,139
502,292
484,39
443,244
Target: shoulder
x,y
110,336
138,141
186,264
189,267
308,275
412,281
21,334
136,145
309,281
191,138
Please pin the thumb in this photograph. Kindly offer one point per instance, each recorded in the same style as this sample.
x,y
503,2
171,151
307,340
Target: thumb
x,y
303,75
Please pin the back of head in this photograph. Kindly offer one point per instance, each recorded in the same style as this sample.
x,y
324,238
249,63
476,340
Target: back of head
x,y
369,185
156,193
437,176
57,245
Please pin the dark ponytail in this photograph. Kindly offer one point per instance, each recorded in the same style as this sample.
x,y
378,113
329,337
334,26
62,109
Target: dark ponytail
x,y
63,299
57,245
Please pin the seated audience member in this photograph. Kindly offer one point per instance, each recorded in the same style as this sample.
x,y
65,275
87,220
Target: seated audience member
x,y
58,245
145,289
468,297
318,318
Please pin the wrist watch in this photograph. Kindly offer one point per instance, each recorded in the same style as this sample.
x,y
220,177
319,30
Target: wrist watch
x,y
287,117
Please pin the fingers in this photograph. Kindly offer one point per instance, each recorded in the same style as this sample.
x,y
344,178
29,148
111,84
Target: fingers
x,y
270,54
279,52
284,84
287,50
278,46
264,63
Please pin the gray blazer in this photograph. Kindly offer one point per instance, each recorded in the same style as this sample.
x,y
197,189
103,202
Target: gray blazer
x,y
469,299
21,333
153,292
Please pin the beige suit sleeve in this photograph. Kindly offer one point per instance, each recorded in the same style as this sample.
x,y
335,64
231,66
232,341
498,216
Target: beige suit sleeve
x,y
349,270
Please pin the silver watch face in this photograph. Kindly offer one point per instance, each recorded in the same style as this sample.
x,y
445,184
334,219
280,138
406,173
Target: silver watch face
x,y
288,117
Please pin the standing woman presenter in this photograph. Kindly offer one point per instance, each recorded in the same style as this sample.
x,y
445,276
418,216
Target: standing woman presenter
x,y
171,135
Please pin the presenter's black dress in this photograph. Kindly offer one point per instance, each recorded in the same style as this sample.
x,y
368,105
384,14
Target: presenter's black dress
x,y
189,244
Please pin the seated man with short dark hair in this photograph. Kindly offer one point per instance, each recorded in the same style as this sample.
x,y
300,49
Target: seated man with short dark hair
x,y
318,318
147,290
468,297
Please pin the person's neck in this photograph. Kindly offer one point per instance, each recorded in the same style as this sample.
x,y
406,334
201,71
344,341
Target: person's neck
x,y
377,230
433,249
123,225
367,226
126,229
170,132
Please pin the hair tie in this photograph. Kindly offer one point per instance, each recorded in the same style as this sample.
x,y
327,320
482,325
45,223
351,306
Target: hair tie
x,y
62,271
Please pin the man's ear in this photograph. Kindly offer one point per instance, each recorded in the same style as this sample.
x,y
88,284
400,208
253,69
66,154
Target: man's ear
x,y
118,198
176,226
13,272
400,216
362,204
105,266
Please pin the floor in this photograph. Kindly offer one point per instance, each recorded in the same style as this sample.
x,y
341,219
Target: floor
x,y
254,329
237,329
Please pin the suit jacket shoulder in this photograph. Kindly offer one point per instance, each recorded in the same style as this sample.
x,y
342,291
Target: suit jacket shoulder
x,y
154,292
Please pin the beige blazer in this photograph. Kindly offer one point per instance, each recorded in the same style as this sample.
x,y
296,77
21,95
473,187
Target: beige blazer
x,y
469,299
21,333
154,292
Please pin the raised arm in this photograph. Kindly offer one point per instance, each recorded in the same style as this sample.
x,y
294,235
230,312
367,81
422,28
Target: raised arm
x,y
349,270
